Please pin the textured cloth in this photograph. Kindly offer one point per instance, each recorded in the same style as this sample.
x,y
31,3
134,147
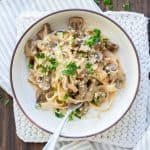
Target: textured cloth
x,y
130,129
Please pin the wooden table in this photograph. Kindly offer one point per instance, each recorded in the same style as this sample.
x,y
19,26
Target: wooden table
x,y
8,138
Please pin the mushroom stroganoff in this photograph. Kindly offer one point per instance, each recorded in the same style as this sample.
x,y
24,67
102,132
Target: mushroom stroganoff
x,y
77,65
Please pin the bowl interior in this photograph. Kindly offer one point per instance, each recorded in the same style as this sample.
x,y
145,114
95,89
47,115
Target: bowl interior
x,y
95,121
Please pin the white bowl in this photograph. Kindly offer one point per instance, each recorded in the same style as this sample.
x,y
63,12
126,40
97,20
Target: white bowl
x,y
94,122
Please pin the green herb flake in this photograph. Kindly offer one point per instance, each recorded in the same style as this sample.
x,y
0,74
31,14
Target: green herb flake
x,y
71,116
89,68
127,6
44,69
65,97
37,105
53,64
64,33
95,38
96,100
107,2
60,47
75,113
78,113
59,114
40,55
30,66
97,1
70,69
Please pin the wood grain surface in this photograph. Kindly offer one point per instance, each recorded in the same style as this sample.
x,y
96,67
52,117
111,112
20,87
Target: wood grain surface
x,y
8,138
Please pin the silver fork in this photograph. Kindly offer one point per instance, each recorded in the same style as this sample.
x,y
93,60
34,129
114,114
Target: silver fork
x,y
53,140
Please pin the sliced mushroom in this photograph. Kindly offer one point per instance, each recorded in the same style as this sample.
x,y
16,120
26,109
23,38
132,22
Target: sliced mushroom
x,y
30,48
120,81
82,73
46,29
82,86
119,84
110,68
76,22
73,88
40,96
91,90
43,82
99,46
84,108
84,48
111,46
43,45
96,57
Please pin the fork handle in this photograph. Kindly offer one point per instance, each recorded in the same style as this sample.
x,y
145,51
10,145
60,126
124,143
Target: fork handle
x,y
53,140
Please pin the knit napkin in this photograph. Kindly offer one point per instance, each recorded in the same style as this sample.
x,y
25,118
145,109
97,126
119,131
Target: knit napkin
x,y
129,130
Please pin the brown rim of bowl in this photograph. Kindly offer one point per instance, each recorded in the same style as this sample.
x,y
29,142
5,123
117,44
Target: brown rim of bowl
x,y
93,12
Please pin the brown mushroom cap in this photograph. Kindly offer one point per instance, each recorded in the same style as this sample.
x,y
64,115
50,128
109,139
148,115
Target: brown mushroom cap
x,y
112,46
30,48
76,22
84,108
46,29
40,96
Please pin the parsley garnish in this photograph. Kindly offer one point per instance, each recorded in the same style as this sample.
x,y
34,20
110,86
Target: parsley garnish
x,y
59,114
107,2
70,69
89,68
96,100
30,66
40,55
95,38
66,96
127,5
97,1
44,69
71,116
53,64
38,106
75,113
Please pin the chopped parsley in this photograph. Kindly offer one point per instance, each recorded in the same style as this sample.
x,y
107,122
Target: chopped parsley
x,y
30,66
70,69
44,69
38,106
59,114
75,113
89,68
53,64
127,5
107,2
65,96
97,1
40,55
71,116
96,100
95,38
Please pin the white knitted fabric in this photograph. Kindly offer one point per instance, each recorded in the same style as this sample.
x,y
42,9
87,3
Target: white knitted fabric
x,y
129,130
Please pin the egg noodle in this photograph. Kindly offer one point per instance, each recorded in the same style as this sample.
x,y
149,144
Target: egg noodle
x,y
77,65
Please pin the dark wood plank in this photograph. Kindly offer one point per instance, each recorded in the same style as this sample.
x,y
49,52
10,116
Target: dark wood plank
x,y
8,138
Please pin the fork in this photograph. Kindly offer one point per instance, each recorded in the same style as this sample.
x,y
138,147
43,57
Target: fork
x,y
53,140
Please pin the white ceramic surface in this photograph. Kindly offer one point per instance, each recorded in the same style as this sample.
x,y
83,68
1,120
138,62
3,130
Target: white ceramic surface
x,y
95,121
